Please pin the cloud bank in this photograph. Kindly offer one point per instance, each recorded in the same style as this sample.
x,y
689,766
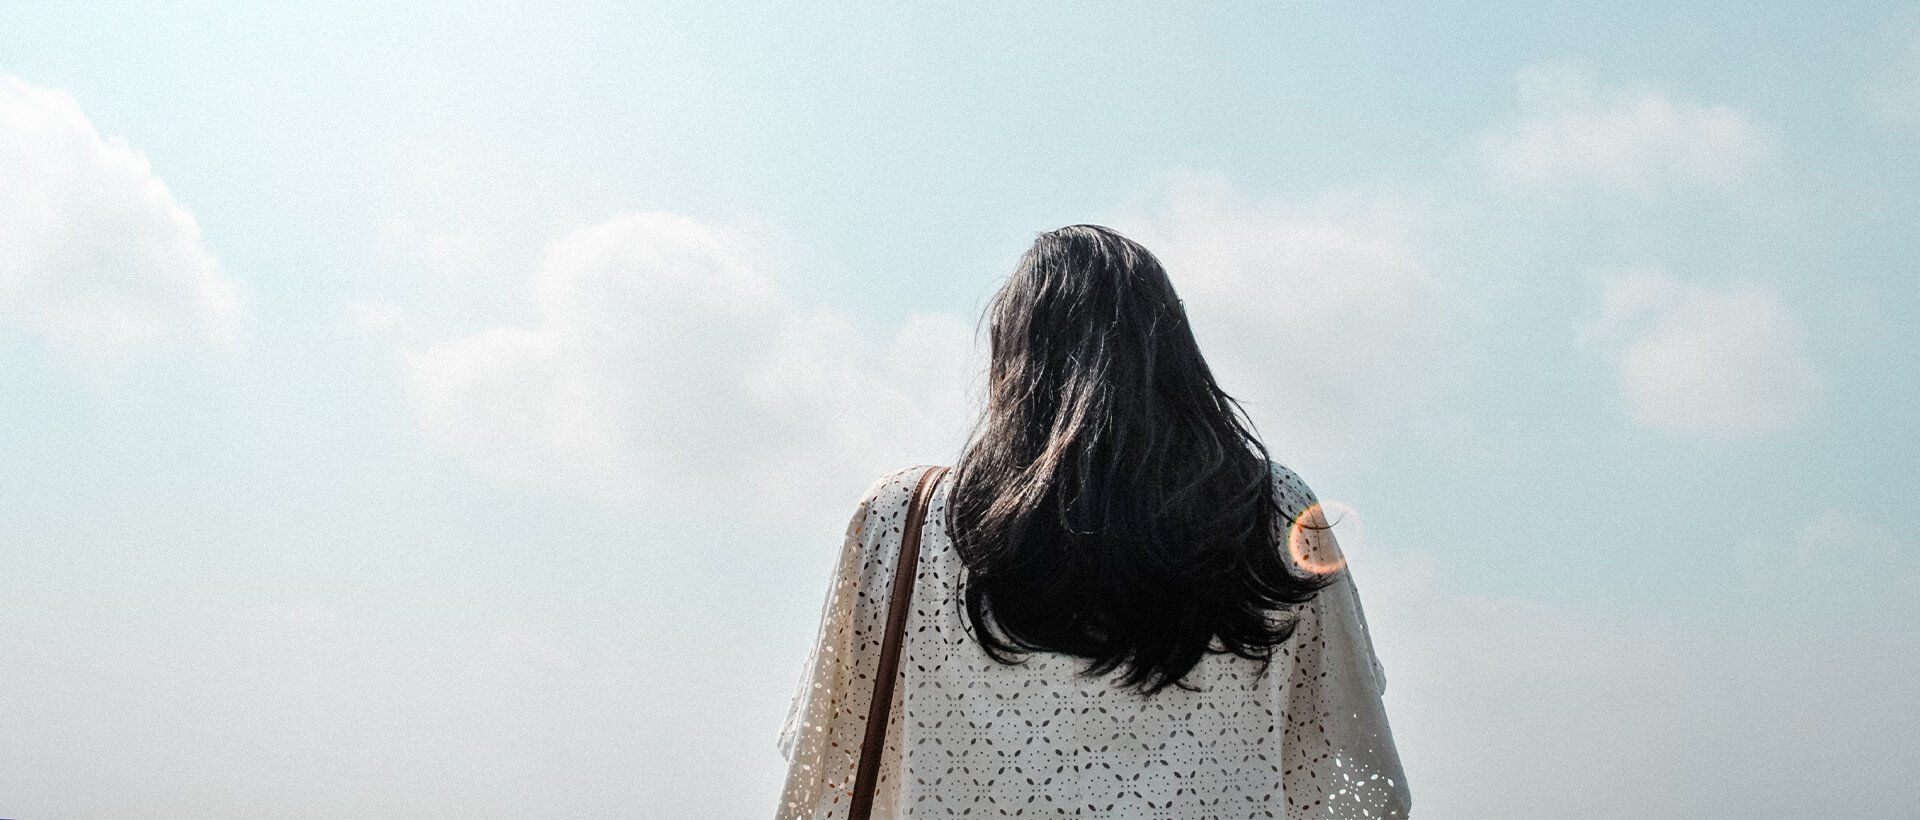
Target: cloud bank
x,y
1771,702
664,369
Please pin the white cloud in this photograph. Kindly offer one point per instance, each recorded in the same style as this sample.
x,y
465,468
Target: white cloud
x,y
1571,134
96,256
1718,361
663,368
1322,317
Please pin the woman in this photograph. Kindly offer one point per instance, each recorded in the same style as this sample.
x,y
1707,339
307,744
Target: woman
x,y
1122,607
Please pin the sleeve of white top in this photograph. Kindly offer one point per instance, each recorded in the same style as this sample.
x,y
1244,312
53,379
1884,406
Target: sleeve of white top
x,y
1325,543
1340,756
832,639
1337,687
1366,637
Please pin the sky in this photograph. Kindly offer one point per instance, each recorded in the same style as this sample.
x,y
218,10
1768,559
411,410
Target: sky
x,y
420,410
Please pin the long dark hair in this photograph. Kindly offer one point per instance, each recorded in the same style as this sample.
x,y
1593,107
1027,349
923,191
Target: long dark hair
x,y
1113,503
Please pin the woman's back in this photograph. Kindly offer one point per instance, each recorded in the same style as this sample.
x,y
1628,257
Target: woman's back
x,y
1122,608
1308,738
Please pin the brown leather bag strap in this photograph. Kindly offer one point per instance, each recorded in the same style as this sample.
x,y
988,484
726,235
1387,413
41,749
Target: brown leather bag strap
x,y
904,571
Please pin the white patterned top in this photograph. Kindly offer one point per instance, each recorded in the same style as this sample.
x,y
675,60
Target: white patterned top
x,y
1308,739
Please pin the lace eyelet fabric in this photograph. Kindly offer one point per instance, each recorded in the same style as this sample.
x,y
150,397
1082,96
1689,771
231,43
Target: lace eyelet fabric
x,y
970,737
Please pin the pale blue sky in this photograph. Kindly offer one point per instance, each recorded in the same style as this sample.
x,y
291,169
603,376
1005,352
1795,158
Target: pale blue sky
x,y
481,441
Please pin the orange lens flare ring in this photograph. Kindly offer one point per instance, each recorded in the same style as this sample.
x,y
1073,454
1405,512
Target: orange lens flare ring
x,y
1310,539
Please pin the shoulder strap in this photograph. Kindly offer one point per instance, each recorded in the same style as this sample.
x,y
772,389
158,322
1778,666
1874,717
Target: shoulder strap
x,y
904,571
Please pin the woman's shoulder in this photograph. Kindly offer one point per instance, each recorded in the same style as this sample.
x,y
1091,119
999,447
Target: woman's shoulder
x,y
883,509
895,487
1311,545
1292,490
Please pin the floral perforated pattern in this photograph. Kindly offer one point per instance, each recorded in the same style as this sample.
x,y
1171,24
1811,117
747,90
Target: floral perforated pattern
x,y
972,737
